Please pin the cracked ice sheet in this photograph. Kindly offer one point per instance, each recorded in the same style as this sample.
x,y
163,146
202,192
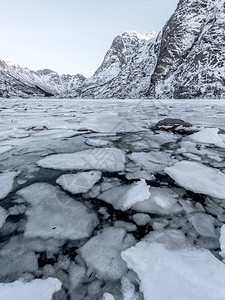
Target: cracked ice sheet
x,y
123,197
152,161
208,136
198,178
183,273
53,214
36,289
6,183
78,183
103,159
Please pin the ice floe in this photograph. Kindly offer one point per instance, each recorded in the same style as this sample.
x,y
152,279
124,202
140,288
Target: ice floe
x,y
97,142
198,178
176,273
6,183
141,219
123,197
204,224
78,183
208,136
222,242
162,201
152,161
36,289
102,253
105,159
3,216
54,214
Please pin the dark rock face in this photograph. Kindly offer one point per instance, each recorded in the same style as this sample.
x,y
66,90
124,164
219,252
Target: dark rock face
x,y
191,52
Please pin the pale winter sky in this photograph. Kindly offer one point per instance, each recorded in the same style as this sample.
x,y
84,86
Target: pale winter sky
x,y
72,36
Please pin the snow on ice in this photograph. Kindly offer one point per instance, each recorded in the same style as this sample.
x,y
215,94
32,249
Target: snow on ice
x,y
53,214
176,273
198,178
78,183
208,136
102,253
36,289
123,197
6,183
103,159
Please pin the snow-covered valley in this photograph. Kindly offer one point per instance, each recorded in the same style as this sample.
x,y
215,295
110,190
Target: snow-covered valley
x,y
101,200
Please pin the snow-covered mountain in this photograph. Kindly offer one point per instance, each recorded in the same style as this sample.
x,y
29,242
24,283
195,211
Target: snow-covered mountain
x,y
185,60
22,82
191,52
125,70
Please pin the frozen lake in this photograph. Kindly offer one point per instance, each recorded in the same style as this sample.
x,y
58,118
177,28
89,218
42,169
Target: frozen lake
x,y
94,198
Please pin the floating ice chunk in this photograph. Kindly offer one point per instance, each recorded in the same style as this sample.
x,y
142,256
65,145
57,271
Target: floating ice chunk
x,y
105,159
203,224
129,227
208,136
55,214
35,290
191,156
6,183
151,161
102,253
78,183
12,265
162,201
17,210
97,142
18,245
141,219
222,242
198,178
76,274
124,197
183,273
128,290
3,216
107,296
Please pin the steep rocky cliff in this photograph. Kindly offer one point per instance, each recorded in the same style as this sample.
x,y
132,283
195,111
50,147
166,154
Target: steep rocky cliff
x,y
191,52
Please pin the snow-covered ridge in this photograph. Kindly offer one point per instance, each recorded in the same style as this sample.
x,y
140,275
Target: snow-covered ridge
x,y
185,60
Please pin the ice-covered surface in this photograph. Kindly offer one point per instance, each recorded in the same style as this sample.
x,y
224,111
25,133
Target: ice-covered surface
x,y
104,159
198,178
208,136
36,289
3,215
102,253
47,226
124,197
6,183
53,214
162,201
182,273
222,241
80,182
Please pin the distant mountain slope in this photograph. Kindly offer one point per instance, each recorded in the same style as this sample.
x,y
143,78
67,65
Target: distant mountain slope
x,y
22,82
185,60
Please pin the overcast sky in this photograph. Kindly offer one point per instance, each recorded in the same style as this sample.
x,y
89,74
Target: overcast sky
x,y
72,36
